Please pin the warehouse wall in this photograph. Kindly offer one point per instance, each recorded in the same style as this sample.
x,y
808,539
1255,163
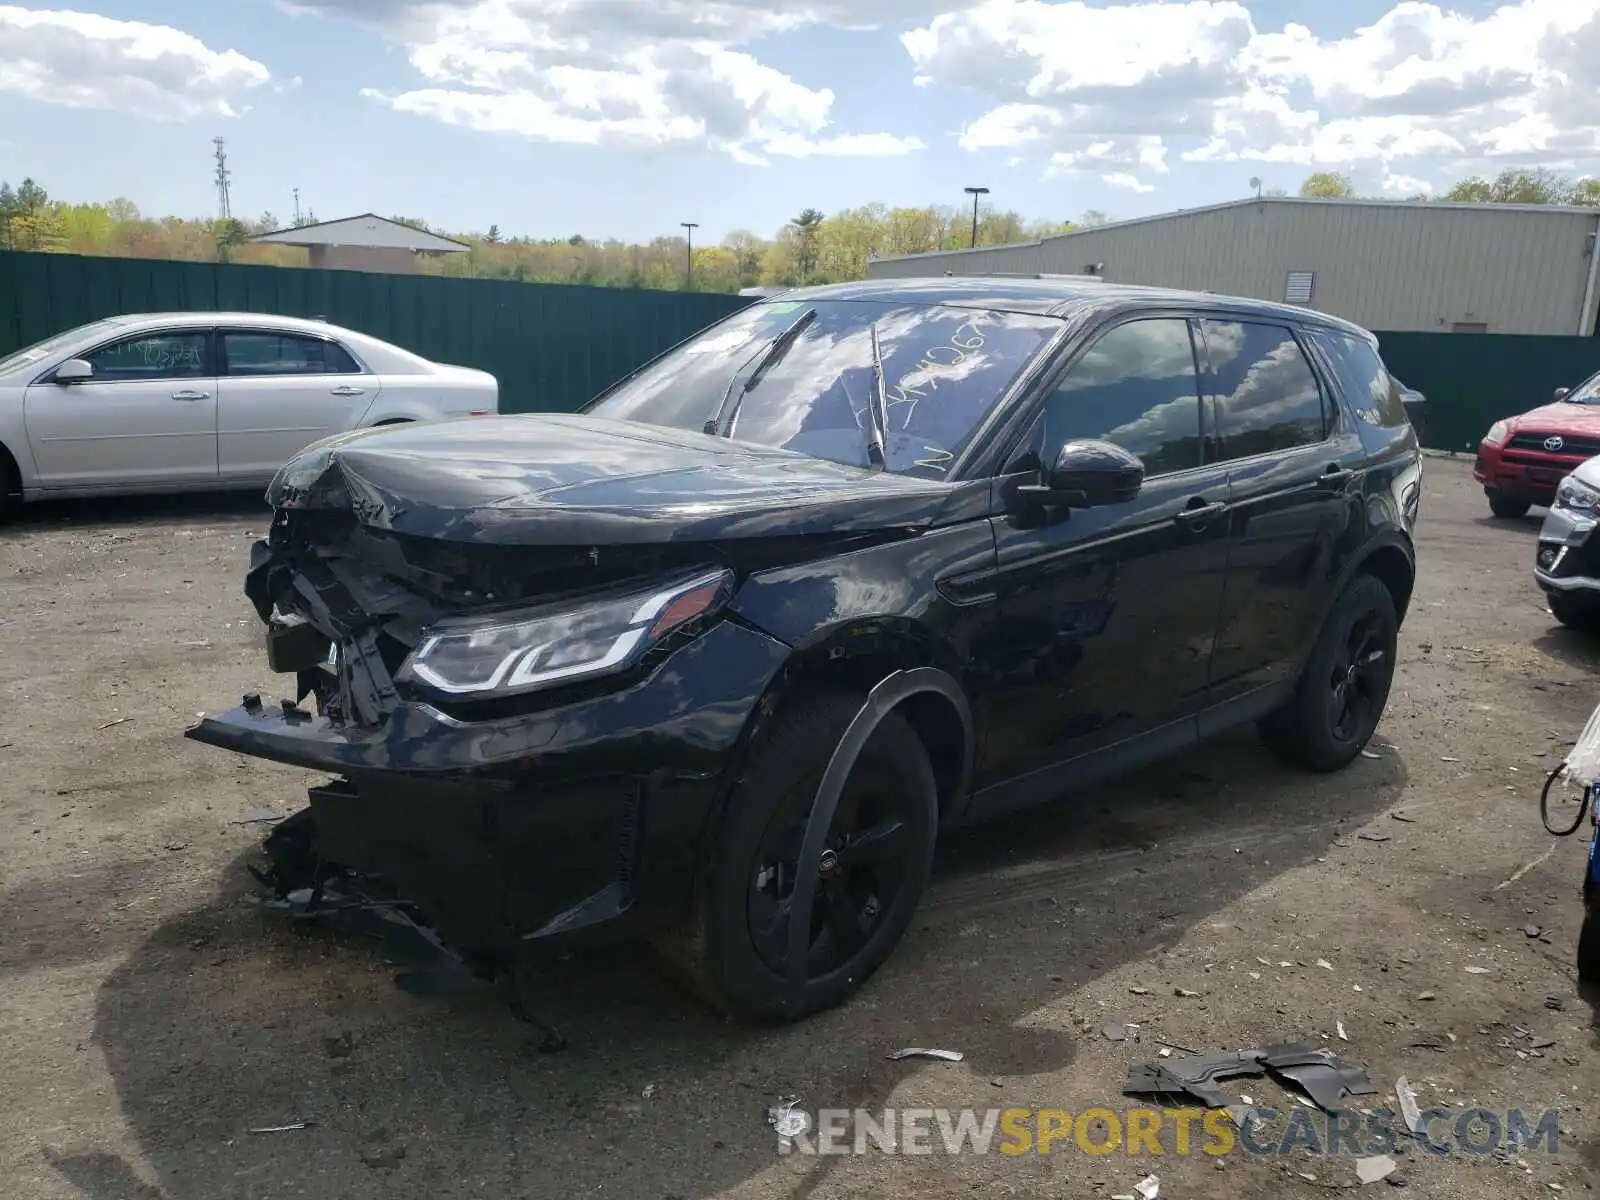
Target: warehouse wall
x,y
1402,267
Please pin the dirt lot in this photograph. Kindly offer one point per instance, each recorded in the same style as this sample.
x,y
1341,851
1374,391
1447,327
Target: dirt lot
x,y
149,1018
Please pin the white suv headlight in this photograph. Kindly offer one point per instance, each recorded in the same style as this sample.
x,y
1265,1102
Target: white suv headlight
x,y
516,653
1579,497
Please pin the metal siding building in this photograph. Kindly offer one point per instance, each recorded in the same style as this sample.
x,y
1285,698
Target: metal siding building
x,y
1385,265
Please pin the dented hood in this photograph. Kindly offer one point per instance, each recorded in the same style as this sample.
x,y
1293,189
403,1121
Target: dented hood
x,y
1561,417
557,479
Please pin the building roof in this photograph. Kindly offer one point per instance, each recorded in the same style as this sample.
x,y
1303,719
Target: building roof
x,y
1313,201
368,230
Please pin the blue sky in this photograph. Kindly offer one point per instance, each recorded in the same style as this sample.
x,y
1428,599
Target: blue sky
x,y
624,117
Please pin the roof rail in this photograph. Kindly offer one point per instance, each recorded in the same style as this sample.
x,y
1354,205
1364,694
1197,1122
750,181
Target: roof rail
x,y
1028,275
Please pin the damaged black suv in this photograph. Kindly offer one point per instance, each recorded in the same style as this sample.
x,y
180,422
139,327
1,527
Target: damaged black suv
x,y
716,659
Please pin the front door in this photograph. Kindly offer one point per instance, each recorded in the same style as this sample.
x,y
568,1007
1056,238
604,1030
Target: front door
x,y
279,393
1107,614
1294,464
147,417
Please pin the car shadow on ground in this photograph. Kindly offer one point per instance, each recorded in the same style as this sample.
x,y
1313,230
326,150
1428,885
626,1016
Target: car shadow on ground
x,y
225,1020
138,510
1572,647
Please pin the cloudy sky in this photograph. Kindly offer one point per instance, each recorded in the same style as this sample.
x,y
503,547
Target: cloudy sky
x,y
625,117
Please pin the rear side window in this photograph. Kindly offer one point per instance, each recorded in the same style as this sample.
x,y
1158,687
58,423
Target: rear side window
x,y
257,354
1265,394
1362,377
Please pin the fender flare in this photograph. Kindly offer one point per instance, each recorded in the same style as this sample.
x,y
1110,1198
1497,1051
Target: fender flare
x,y
885,696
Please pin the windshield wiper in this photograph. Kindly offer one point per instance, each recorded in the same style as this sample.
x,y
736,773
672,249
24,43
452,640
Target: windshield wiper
x,y
746,378
877,408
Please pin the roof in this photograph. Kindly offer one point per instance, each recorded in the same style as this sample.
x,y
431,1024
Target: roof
x,y
1057,297
1311,201
274,320
368,229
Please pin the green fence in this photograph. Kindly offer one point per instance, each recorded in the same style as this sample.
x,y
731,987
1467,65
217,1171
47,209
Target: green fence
x,y
551,346
1473,379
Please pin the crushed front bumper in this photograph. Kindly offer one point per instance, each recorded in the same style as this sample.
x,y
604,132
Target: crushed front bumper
x,y
1568,558
580,818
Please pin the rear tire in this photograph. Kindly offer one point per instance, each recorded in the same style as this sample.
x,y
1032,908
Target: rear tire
x,y
1341,694
1503,506
729,949
1572,614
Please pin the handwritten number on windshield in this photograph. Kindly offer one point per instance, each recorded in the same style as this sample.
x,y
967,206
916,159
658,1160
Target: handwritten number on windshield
x,y
911,391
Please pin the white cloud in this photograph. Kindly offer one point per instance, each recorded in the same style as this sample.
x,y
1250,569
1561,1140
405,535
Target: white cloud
x,y
87,61
624,72
1124,179
1422,90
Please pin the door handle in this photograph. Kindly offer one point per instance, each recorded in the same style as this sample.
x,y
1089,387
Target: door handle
x,y
1335,476
191,395
345,389
1200,512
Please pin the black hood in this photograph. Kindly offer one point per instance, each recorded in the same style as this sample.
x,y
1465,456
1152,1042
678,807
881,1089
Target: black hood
x,y
559,479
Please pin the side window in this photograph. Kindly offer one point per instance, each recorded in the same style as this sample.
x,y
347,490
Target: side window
x,y
1265,393
1364,380
151,356
1135,387
257,354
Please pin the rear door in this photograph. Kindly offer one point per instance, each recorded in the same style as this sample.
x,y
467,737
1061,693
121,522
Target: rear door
x,y
1294,480
146,418
279,392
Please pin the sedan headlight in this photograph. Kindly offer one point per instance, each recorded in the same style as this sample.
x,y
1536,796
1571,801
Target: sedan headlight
x,y
543,648
1499,433
1579,497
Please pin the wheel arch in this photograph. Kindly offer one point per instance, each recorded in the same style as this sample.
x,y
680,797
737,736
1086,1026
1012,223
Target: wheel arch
x,y
10,475
1393,562
860,655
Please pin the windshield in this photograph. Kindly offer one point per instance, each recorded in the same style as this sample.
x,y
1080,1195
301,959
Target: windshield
x,y
1587,392
944,368
40,351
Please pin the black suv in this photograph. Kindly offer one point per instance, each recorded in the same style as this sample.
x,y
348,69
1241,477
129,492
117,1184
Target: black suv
x,y
717,658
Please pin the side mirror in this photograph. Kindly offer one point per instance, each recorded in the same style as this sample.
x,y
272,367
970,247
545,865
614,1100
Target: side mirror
x,y
74,370
1563,393
1089,474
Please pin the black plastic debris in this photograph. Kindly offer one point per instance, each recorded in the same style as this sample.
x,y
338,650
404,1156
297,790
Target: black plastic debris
x,y
1310,1068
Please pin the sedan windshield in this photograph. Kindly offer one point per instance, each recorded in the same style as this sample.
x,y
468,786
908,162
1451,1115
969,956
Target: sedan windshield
x,y
43,350
814,391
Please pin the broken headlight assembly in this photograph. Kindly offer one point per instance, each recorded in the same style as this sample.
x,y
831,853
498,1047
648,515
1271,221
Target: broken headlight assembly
x,y
514,653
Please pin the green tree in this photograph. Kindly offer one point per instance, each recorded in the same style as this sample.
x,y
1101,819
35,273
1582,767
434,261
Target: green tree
x,y
493,236
1093,218
807,226
1328,185
1586,192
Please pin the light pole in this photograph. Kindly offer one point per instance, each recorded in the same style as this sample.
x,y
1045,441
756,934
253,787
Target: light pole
x,y
689,227
975,192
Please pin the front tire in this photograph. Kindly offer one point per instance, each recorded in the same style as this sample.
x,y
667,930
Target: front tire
x,y
875,864
1503,506
1572,613
1345,685
1589,943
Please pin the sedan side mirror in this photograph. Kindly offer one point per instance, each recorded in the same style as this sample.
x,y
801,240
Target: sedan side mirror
x,y
74,370
1563,393
1089,474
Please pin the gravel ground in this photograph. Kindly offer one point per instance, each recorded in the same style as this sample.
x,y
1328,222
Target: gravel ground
x,y
150,1019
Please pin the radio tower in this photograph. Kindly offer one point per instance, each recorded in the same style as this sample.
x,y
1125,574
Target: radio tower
x,y
224,207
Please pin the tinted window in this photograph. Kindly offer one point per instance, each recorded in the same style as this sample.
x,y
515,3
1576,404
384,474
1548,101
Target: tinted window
x,y
285,354
944,369
151,356
1266,396
1368,387
1135,387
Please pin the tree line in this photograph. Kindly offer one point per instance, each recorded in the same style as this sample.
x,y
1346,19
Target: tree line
x,y
812,247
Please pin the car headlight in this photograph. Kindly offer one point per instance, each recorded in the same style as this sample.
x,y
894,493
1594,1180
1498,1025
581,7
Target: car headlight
x,y
1499,433
541,648
1579,497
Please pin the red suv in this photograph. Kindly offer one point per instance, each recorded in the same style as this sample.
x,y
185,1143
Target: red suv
x,y
1522,459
